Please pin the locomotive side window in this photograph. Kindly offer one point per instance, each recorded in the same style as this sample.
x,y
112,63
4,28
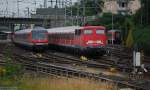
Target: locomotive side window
x,y
88,32
77,32
100,32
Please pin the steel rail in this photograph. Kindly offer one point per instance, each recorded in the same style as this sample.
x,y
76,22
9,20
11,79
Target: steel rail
x,y
43,67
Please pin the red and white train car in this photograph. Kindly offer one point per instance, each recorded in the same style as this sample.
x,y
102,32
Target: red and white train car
x,y
87,40
33,38
114,36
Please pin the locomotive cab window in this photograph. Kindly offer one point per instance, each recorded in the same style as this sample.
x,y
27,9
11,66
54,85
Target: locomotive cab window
x,y
88,31
100,32
77,32
40,35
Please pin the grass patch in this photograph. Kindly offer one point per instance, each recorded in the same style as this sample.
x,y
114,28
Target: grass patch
x,y
65,84
10,73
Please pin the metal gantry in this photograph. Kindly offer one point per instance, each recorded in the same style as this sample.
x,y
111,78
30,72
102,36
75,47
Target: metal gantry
x,y
68,12
62,9
64,6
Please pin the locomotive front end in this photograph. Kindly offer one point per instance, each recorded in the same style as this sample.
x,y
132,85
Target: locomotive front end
x,y
39,38
94,41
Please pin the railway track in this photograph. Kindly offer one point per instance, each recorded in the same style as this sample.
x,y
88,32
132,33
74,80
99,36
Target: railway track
x,y
118,62
104,62
60,70
55,57
53,64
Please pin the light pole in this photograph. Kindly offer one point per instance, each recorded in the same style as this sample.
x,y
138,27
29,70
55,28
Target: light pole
x,y
28,10
78,12
35,3
84,1
45,3
112,17
18,7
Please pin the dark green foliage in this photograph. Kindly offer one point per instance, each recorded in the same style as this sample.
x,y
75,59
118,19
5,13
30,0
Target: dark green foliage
x,y
106,20
92,7
142,17
142,22
129,29
142,38
10,72
11,69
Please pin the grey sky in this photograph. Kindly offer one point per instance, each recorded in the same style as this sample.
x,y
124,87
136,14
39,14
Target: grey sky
x,y
8,8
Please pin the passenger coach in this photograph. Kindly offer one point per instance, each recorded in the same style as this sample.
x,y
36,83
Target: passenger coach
x,y
114,37
35,38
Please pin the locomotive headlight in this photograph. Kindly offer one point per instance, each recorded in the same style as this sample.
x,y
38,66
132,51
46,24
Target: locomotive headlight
x,y
99,42
89,42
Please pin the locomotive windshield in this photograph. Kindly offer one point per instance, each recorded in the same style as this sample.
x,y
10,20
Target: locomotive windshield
x,y
39,35
100,32
88,32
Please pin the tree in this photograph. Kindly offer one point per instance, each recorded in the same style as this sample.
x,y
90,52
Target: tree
x,y
130,28
88,7
142,16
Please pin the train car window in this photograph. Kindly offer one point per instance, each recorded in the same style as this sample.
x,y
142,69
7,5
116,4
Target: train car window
x,y
109,35
77,32
38,35
88,31
117,34
100,32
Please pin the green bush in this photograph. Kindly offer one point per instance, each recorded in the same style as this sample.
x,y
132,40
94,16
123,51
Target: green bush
x,y
11,69
141,37
10,72
106,20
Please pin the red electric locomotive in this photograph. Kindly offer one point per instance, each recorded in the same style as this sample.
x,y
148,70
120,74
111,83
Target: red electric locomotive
x,y
87,40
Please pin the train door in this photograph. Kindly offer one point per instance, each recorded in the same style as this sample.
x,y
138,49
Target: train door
x,y
77,40
117,37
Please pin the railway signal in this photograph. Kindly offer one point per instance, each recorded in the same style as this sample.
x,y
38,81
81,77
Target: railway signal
x,y
138,66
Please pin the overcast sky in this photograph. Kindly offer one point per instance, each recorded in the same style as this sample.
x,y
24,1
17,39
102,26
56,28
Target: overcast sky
x,y
9,8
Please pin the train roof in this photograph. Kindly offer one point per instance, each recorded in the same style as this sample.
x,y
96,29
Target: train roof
x,y
68,29
23,31
88,27
71,29
29,30
38,28
114,30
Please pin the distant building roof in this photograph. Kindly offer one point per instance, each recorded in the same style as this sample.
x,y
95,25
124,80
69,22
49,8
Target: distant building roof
x,y
50,11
